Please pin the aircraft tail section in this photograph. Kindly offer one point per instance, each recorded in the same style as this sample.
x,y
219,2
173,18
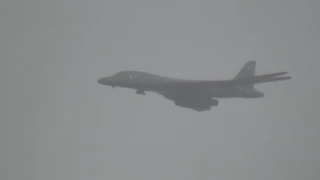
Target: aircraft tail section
x,y
248,70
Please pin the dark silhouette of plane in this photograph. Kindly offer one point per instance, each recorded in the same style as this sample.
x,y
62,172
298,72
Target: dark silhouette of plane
x,y
199,95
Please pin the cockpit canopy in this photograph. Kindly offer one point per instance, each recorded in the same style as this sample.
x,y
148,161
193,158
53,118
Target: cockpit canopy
x,y
129,78
125,75
129,75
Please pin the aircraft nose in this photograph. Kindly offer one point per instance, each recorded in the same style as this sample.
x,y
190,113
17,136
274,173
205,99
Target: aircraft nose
x,y
110,81
100,80
105,81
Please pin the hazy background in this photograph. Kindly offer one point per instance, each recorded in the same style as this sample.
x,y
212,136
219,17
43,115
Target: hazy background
x,y
57,122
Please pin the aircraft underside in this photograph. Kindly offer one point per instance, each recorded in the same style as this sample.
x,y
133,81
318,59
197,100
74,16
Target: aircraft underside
x,y
204,99
195,101
197,105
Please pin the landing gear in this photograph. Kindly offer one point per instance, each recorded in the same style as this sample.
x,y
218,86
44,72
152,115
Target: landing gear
x,y
140,92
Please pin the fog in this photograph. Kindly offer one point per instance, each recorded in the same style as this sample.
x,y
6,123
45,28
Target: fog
x,y
57,122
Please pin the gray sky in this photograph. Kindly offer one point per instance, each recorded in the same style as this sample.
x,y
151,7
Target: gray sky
x,y
57,122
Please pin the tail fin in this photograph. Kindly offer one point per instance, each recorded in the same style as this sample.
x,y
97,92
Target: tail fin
x,y
248,70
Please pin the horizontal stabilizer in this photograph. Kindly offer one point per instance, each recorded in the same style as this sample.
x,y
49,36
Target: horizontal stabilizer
x,y
255,80
268,75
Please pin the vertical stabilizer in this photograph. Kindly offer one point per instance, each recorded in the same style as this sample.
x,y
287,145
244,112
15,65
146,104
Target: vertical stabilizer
x,y
248,70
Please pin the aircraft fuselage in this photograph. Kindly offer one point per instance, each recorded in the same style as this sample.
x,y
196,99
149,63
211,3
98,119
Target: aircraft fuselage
x,y
155,83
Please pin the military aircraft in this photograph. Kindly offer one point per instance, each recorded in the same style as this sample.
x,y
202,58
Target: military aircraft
x,y
199,95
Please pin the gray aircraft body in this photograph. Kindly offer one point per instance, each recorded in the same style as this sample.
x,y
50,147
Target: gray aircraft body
x,y
199,95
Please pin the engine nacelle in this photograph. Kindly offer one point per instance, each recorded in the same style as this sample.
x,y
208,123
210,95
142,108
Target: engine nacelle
x,y
140,92
215,102
252,93
198,105
246,92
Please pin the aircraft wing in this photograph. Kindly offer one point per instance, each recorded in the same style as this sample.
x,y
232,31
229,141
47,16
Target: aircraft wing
x,y
228,83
